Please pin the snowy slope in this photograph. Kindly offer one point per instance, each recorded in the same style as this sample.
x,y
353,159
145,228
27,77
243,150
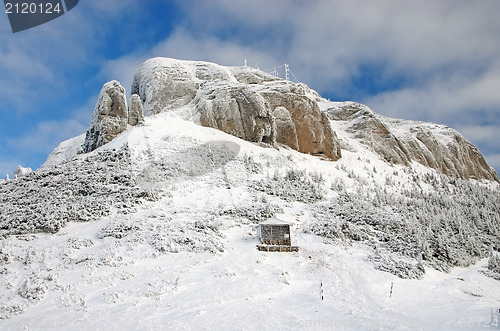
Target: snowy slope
x,y
65,151
157,229
187,259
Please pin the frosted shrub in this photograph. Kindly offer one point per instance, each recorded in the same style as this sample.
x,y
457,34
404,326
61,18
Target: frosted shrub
x,y
79,190
33,288
164,234
195,236
257,212
494,265
399,268
250,165
295,185
418,224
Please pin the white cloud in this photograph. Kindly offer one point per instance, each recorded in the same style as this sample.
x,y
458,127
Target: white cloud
x,y
122,70
7,168
41,140
449,99
330,42
183,45
47,135
443,54
480,133
427,60
34,63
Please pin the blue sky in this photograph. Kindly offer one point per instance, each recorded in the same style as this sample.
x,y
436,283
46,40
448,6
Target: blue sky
x,y
426,60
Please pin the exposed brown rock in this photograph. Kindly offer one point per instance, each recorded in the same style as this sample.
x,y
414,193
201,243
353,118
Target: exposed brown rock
x,y
237,111
111,116
314,134
286,132
401,142
135,113
241,101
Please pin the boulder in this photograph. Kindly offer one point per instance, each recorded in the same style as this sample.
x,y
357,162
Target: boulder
x,y
286,131
135,112
21,171
239,111
313,132
370,129
166,84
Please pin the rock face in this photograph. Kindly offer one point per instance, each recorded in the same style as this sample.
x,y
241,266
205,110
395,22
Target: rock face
x,y
314,134
285,128
241,101
135,113
238,111
111,116
402,141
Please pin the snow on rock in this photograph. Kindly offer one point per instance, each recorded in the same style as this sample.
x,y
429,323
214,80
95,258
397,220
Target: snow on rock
x,y
166,84
401,141
135,112
239,101
111,116
157,228
21,171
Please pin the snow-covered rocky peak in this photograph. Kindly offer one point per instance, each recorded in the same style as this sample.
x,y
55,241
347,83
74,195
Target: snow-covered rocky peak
x,y
241,101
402,141
109,118
165,84
252,105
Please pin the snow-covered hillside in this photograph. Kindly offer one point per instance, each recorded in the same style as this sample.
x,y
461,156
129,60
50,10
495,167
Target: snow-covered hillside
x,y
157,230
